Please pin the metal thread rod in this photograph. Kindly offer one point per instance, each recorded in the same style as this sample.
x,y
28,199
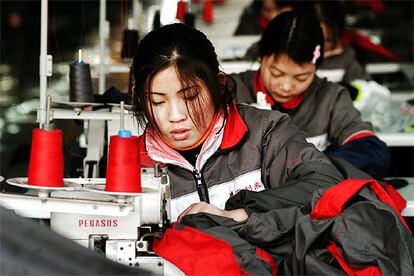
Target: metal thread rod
x,y
48,108
43,63
121,123
102,45
48,125
79,55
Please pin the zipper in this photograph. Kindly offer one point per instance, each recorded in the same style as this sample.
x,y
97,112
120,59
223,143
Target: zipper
x,y
201,187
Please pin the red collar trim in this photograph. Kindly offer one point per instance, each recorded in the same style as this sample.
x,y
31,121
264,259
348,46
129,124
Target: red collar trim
x,y
258,86
234,130
293,103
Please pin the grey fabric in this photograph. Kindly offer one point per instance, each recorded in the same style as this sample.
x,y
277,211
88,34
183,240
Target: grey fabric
x,y
27,248
295,192
368,231
347,170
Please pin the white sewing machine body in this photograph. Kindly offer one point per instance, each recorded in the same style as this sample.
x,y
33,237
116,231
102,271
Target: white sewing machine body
x,y
122,226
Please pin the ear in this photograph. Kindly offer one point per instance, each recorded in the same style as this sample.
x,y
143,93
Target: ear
x,y
222,78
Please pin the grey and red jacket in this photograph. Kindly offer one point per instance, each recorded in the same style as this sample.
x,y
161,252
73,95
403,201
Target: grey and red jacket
x,y
326,114
354,228
248,149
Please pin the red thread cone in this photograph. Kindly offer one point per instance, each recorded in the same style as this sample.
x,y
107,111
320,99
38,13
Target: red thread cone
x,y
46,158
124,171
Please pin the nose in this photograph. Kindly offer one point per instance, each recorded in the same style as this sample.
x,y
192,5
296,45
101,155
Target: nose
x,y
177,111
286,86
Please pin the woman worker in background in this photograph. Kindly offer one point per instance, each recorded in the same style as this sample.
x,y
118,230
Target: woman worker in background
x,y
290,51
336,54
212,147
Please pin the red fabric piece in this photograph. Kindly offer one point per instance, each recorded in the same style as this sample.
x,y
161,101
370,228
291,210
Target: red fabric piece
x,y
181,10
258,86
368,271
333,200
208,11
399,201
354,38
359,135
268,259
197,253
385,197
234,130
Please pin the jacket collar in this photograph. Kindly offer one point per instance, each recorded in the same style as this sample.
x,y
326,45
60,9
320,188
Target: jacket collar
x,y
234,130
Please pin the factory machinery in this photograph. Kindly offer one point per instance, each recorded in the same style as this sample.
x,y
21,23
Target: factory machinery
x,y
122,226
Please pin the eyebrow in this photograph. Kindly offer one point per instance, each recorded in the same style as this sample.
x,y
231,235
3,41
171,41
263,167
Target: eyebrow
x,y
297,75
179,91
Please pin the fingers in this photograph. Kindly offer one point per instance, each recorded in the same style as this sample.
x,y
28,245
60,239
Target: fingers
x,y
193,209
202,207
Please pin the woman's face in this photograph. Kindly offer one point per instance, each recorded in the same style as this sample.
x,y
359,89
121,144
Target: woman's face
x,y
167,98
283,78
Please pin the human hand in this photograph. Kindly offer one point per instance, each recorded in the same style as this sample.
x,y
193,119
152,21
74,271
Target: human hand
x,y
203,207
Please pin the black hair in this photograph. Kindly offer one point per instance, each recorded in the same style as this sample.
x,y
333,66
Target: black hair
x,y
295,34
192,55
332,13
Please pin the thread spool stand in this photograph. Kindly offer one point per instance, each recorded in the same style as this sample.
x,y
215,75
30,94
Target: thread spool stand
x,y
123,175
46,157
80,81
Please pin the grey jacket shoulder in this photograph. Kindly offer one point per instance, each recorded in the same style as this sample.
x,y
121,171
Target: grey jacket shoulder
x,y
252,116
244,87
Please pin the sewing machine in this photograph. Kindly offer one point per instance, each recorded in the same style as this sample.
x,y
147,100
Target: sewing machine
x,y
122,226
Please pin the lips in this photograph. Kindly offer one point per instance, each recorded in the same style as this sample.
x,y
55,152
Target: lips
x,y
180,134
